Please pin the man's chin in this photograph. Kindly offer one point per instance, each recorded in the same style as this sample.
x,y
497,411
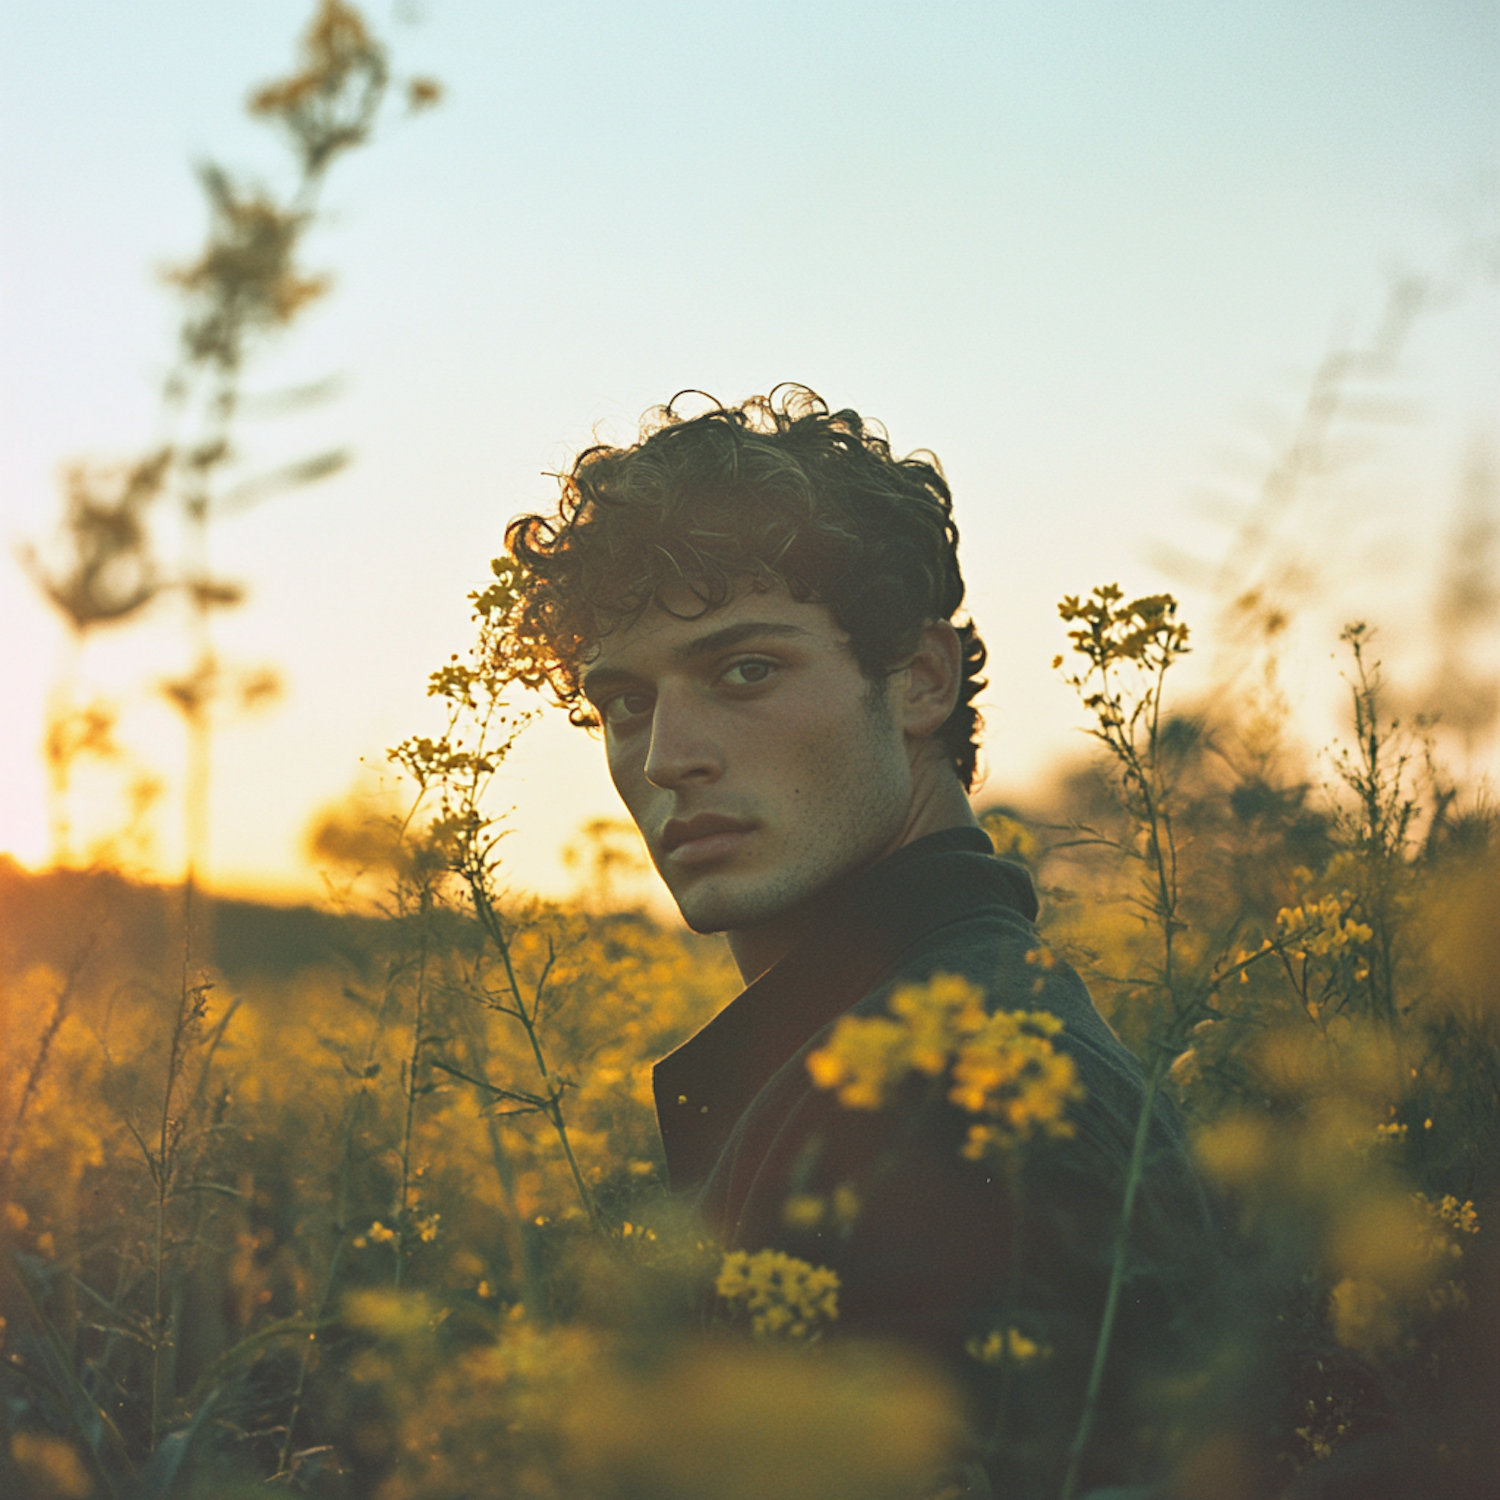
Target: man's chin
x,y
726,905
705,916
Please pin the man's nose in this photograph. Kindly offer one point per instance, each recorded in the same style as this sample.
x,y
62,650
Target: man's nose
x,y
683,748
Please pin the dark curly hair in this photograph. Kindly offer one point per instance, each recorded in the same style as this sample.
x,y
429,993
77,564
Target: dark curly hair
x,y
775,490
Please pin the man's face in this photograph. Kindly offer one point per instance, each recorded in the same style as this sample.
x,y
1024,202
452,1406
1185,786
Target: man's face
x,y
757,761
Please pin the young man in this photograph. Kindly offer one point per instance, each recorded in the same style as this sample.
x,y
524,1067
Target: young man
x,y
757,604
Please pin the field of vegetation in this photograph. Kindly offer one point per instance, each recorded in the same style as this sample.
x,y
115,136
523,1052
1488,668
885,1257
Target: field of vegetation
x,y
371,1205
367,1202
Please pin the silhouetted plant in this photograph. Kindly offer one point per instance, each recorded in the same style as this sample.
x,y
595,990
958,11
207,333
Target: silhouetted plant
x,y
244,286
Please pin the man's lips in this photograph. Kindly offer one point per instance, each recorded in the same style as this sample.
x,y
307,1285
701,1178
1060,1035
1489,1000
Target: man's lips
x,y
702,839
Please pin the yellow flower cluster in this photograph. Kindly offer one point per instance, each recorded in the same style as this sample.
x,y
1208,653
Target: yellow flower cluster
x,y
1013,1074
1321,928
785,1297
426,1227
1409,1251
1144,630
1445,1221
808,1210
1011,1347
1003,1066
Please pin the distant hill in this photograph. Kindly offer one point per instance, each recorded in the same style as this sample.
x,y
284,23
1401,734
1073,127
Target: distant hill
x,y
50,917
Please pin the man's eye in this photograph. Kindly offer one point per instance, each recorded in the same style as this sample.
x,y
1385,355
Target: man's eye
x,y
748,673
624,707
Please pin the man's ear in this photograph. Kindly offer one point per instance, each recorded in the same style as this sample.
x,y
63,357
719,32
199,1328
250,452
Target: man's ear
x,y
927,688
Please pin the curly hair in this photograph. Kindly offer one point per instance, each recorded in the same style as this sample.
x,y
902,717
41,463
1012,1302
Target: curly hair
x,y
777,490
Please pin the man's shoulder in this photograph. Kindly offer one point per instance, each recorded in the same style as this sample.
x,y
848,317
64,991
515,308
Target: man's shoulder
x,y
1001,954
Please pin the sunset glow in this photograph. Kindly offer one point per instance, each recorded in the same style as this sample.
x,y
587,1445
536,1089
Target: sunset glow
x,y
1089,256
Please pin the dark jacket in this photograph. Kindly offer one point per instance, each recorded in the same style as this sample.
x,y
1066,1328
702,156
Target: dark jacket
x,y
931,1256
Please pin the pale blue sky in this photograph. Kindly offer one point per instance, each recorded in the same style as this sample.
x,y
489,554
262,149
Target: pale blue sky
x,y
1086,252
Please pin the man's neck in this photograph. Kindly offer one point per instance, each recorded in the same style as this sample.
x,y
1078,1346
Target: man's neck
x,y
941,805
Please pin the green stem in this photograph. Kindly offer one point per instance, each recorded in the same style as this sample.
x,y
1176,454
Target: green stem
x,y
1079,1445
490,920
414,1063
340,1229
1015,1191
166,1154
560,1126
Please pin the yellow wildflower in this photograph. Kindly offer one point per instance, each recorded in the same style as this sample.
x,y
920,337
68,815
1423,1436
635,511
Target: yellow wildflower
x,y
1144,630
1460,1216
846,1204
1444,1221
808,1210
52,1466
803,1211
1002,1066
864,1059
1009,1347
1322,928
936,1013
1012,1073
785,1297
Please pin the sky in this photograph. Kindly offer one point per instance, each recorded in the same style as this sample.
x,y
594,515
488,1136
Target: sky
x,y
1089,254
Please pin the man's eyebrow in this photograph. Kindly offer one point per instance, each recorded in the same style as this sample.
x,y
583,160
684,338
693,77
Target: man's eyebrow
x,y
732,635
597,679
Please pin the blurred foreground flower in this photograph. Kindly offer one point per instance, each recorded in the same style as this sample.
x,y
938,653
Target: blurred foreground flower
x,y
1004,1066
51,1467
761,1423
784,1296
1463,913
1401,1257
1319,1184
562,1412
1011,1347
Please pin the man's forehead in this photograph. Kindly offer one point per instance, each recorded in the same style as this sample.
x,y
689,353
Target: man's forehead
x,y
661,633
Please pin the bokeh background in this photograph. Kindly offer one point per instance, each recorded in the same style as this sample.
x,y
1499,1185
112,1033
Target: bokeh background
x,y
1092,255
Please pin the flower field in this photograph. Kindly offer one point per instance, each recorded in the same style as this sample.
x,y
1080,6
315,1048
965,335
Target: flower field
x,y
370,1204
